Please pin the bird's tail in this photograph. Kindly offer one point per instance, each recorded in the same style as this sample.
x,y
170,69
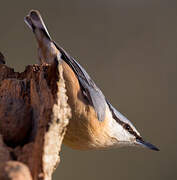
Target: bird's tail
x,y
35,22
47,51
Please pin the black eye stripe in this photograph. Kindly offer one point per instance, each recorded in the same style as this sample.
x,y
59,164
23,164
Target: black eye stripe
x,y
124,125
128,128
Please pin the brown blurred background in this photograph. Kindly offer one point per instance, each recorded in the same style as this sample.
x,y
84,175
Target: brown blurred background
x,y
130,50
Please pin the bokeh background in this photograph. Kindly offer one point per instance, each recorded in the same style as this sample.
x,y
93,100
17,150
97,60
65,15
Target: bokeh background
x,y
130,50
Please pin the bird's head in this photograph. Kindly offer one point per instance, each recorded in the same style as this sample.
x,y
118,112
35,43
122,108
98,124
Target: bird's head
x,y
124,131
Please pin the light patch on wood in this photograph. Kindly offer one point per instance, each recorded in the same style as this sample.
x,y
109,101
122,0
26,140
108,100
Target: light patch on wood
x,y
55,134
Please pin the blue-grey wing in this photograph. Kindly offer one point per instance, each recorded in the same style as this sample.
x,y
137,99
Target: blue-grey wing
x,y
97,99
89,88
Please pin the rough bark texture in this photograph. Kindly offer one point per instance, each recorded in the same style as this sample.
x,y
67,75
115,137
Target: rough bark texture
x,y
33,119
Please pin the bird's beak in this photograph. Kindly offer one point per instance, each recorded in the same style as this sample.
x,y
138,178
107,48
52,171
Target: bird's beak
x,y
141,142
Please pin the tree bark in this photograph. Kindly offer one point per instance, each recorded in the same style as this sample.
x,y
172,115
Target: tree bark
x,y
33,117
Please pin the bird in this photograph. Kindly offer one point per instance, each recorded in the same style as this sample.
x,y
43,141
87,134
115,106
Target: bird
x,y
95,124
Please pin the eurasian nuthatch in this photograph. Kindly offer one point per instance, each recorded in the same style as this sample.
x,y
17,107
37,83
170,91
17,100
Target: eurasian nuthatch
x,y
95,123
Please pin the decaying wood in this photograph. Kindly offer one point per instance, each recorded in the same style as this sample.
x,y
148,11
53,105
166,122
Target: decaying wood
x,y
33,117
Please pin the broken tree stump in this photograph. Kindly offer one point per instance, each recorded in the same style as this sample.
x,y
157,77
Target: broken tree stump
x,y
33,117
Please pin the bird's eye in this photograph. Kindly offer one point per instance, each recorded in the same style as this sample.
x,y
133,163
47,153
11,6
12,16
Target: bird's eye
x,y
127,127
